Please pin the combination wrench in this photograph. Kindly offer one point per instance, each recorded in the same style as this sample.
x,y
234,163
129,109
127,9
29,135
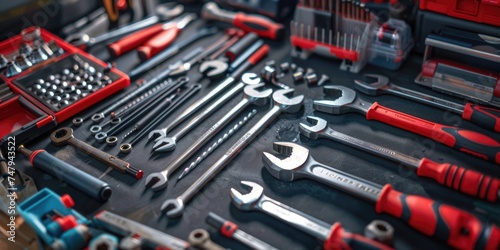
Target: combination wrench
x,y
463,230
473,143
333,237
175,207
461,179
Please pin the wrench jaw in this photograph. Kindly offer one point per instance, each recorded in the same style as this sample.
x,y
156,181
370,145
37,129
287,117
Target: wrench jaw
x,y
173,208
157,181
246,202
286,169
288,103
257,94
316,127
155,134
164,145
250,79
377,87
344,101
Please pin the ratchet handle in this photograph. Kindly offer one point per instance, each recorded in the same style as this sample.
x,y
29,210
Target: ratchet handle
x,y
485,117
467,181
133,40
467,141
455,227
340,239
262,26
157,43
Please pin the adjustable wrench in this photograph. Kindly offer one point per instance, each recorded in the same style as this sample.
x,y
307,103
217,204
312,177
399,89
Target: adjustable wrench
x,y
175,207
467,141
333,237
158,180
463,230
461,179
488,118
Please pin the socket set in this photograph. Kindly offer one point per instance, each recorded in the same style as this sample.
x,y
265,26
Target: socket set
x,y
48,81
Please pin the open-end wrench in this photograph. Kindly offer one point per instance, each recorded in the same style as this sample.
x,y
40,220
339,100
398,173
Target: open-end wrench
x,y
466,141
158,180
488,118
282,103
333,237
213,69
455,227
461,179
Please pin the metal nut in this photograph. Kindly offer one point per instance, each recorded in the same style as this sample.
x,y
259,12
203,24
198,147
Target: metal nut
x,y
298,76
111,141
285,67
312,79
381,231
78,121
126,148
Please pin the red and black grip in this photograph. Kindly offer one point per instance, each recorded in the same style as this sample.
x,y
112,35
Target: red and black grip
x,y
157,43
488,118
226,227
342,240
467,181
467,141
262,26
457,228
133,40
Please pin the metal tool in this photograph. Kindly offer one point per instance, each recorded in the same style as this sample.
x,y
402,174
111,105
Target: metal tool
x,y
239,47
216,144
82,181
65,136
470,142
148,236
213,69
231,230
333,237
175,207
485,117
464,180
245,55
200,239
465,231
263,26
254,59
158,181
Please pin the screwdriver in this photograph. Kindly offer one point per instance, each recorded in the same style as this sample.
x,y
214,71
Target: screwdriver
x,y
82,181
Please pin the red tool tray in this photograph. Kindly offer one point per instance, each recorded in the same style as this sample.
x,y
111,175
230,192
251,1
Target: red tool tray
x,y
484,11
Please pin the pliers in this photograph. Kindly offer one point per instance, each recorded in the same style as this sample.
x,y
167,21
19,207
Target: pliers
x,y
152,40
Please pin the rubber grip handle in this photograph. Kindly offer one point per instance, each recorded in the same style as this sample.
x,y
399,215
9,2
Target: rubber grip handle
x,y
488,118
467,141
455,227
262,26
133,40
339,239
157,43
467,181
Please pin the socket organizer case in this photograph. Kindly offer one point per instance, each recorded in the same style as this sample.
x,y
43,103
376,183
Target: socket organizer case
x,y
45,81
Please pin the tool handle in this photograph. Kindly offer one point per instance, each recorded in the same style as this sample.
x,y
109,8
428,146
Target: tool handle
x,y
485,117
133,41
340,239
157,43
455,227
262,26
461,179
251,61
467,141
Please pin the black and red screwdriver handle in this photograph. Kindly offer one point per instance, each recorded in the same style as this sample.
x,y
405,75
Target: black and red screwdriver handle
x,y
342,240
488,118
262,26
461,179
133,40
467,141
457,228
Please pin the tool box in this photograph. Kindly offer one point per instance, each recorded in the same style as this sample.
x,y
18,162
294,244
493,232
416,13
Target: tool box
x,y
48,81
484,11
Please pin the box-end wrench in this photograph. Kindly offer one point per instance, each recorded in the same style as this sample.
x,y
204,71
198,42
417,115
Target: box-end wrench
x,y
282,103
464,180
447,224
200,239
488,118
333,237
158,180
466,141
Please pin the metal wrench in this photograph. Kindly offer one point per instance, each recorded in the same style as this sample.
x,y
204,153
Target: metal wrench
x,y
488,118
469,181
175,207
333,237
158,180
467,141
464,230
200,239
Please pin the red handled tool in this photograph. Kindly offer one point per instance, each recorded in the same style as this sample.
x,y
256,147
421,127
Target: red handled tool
x,y
262,26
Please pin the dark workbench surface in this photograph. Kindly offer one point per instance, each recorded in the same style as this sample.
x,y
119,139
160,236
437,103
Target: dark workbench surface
x,y
130,198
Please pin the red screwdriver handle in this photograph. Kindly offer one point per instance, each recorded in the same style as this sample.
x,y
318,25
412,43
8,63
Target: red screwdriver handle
x,y
464,180
341,240
262,26
158,43
467,141
485,117
457,228
133,40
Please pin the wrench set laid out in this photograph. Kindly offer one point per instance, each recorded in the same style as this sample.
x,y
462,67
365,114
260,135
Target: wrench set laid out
x,y
211,93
